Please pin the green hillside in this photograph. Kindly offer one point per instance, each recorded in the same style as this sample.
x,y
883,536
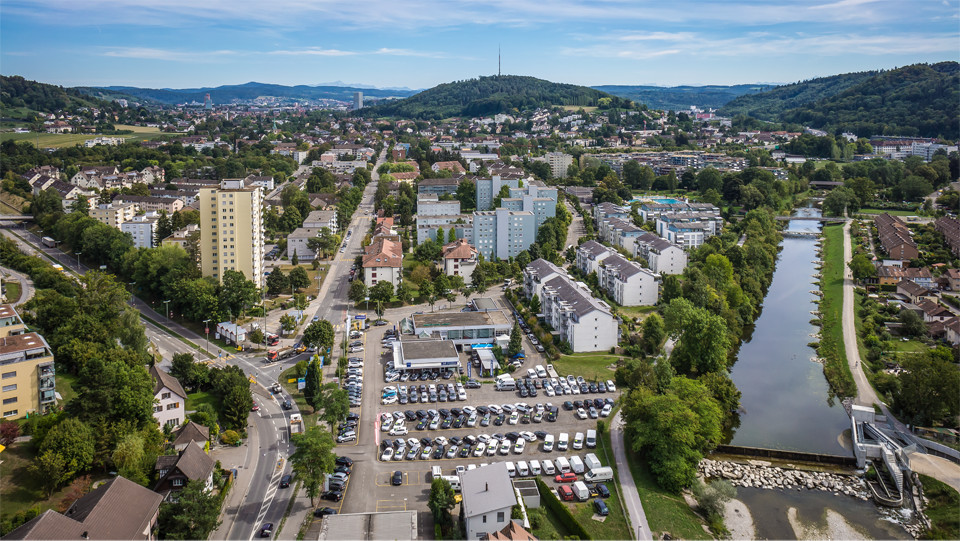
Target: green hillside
x,y
491,95
679,98
919,100
22,99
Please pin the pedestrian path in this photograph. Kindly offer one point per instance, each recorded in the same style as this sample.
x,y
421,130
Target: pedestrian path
x,y
631,497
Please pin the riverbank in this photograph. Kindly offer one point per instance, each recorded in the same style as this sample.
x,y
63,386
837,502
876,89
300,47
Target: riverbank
x,y
831,348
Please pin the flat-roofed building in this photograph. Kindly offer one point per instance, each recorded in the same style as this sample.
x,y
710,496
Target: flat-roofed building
x,y
298,243
231,225
417,354
10,322
27,375
142,229
396,525
113,214
462,327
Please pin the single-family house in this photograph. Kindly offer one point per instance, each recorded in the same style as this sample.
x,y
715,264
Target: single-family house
x,y
169,399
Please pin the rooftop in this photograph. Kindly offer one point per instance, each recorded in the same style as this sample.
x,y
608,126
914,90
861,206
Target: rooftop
x,y
22,342
460,319
486,489
428,349
397,525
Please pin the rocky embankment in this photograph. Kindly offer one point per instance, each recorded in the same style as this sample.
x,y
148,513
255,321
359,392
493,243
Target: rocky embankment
x,y
773,477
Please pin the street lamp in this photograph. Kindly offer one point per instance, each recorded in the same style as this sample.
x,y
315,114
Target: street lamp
x,y
206,331
78,261
168,308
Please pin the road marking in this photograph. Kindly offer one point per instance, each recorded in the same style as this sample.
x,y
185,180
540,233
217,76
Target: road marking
x,y
391,505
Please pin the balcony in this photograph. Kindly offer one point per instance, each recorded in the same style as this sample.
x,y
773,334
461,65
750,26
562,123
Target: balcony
x,y
47,397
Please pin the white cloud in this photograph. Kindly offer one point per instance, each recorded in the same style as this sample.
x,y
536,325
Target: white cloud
x,y
314,51
149,53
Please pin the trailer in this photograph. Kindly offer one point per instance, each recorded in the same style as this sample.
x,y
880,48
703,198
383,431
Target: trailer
x,y
280,354
296,423
49,242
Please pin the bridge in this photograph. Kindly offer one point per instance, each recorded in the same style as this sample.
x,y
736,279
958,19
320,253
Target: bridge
x,y
16,218
836,219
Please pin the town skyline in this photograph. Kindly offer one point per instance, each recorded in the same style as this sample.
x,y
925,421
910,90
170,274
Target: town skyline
x,y
181,45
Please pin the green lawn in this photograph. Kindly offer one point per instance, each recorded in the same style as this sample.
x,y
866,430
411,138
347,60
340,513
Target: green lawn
x,y
309,419
58,140
942,510
616,525
637,311
200,397
19,490
12,291
549,527
665,512
65,383
831,348
910,346
892,212
592,366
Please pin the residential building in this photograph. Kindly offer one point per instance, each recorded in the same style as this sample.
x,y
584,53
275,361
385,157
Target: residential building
x,y
950,227
462,327
661,255
952,279
583,321
439,186
891,275
267,182
357,100
895,237
512,532
27,374
181,237
488,498
175,471
460,259
589,256
169,399
191,433
10,322
298,240
383,260
488,188
113,214
318,219
627,282
142,228
432,205
456,167
503,233
145,203
231,225
687,235
427,227
558,162
534,197
118,509
620,232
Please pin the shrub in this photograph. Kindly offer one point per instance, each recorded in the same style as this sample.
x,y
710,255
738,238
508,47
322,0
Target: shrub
x,y
555,506
230,437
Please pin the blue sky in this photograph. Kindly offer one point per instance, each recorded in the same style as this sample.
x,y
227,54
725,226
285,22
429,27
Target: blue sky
x,y
420,43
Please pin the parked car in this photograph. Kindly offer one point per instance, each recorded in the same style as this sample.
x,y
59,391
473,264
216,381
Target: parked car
x,y
601,507
568,477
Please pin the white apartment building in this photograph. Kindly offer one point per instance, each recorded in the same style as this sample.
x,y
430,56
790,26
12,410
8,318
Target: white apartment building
x,y
142,229
383,260
627,282
113,214
297,243
661,255
460,259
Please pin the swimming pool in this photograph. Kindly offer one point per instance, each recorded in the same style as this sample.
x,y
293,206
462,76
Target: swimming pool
x,y
661,200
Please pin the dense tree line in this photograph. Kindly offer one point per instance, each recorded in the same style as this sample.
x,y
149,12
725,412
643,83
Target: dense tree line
x,y
15,92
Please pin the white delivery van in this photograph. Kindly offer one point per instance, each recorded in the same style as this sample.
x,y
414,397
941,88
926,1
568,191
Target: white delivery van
x,y
591,461
576,464
578,441
591,439
506,384
548,443
454,481
522,469
548,468
535,467
563,465
511,469
563,441
436,472
541,371
599,475
580,491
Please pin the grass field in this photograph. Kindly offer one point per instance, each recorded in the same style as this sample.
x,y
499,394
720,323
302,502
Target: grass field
x,y
942,510
577,108
550,527
890,212
910,346
200,397
637,311
12,291
592,366
665,512
831,348
59,140
19,489
65,384
309,419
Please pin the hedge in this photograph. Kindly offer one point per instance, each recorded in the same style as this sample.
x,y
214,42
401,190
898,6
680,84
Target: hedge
x,y
555,506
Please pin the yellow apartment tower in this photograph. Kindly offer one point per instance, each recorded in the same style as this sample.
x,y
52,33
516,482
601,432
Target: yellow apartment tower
x,y
27,376
231,230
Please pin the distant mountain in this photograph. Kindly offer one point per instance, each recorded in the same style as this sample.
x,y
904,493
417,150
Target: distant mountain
x,y
488,96
678,98
21,99
245,92
919,100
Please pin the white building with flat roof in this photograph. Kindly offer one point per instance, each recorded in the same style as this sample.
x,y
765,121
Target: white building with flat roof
x,y
419,354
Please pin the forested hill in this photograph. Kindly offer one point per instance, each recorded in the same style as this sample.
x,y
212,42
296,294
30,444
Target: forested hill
x,y
491,95
679,98
919,100
21,98
243,93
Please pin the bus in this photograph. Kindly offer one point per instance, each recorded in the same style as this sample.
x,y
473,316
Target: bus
x,y
48,241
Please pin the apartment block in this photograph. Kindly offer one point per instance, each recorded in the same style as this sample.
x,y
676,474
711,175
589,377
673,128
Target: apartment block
x,y
534,197
432,205
383,260
427,227
27,375
318,219
142,229
298,243
439,186
489,188
114,214
661,255
231,226
625,281
558,162
503,233
460,259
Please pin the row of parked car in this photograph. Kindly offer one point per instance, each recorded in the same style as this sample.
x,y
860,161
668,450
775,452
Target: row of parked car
x,y
479,445
404,394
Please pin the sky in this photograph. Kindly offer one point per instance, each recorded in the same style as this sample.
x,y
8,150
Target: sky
x,y
421,43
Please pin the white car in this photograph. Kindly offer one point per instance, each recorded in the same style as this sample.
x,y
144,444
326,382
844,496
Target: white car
x,y
578,441
605,412
387,454
442,441
529,436
610,386
504,447
492,448
387,400
461,395
495,408
387,425
399,430
472,421
356,349
469,410
435,423
514,418
548,467
484,438
581,413
481,447
518,447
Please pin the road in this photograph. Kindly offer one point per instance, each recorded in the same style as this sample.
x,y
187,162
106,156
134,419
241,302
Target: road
x,y
631,497
934,466
26,285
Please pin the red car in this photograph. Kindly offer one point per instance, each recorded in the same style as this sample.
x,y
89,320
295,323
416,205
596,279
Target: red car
x,y
566,493
568,477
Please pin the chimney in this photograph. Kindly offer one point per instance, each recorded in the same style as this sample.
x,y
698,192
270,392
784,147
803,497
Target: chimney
x,y
486,487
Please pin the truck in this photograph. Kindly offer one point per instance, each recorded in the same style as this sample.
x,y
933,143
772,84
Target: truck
x,y
599,475
296,423
580,491
280,354
272,339
49,241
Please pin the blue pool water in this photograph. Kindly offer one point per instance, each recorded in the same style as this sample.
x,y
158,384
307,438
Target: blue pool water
x,y
661,200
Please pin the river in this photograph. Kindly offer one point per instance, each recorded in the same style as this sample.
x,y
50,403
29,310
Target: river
x,y
785,402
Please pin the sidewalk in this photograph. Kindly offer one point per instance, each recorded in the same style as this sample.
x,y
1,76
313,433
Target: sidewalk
x,y
631,498
241,459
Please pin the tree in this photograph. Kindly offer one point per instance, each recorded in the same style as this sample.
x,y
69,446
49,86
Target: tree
x,y
256,336
535,304
929,387
299,279
654,332
189,373
713,497
426,292
420,274
236,292
516,341
382,291
9,432
319,334
840,199
441,501
441,285
71,440
912,323
287,323
163,228
358,290
236,407
312,386
335,403
194,514
861,267
128,457
427,252
702,341
313,458
402,292
479,279
51,470
295,259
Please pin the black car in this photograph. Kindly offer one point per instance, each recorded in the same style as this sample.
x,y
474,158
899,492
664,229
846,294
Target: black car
x,y
446,423
593,388
287,404
438,452
443,412
266,530
455,440
285,481
602,387
465,451
601,507
459,421
540,434
598,403
578,404
332,495
551,416
498,421
342,469
397,478
602,490
523,393
421,414
456,412
512,436
344,461
353,416
410,415
568,405
323,511
386,443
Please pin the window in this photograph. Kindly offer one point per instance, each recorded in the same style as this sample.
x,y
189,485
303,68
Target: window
x,y
157,409
11,413
499,516
484,519
7,388
12,400
178,482
165,396
175,405
8,375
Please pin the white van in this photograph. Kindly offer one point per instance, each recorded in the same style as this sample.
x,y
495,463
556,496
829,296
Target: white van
x,y
454,481
535,467
576,464
506,384
548,443
522,469
591,461
548,467
599,475
563,442
578,441
511,469
563,465
436,472
541,371
591,439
